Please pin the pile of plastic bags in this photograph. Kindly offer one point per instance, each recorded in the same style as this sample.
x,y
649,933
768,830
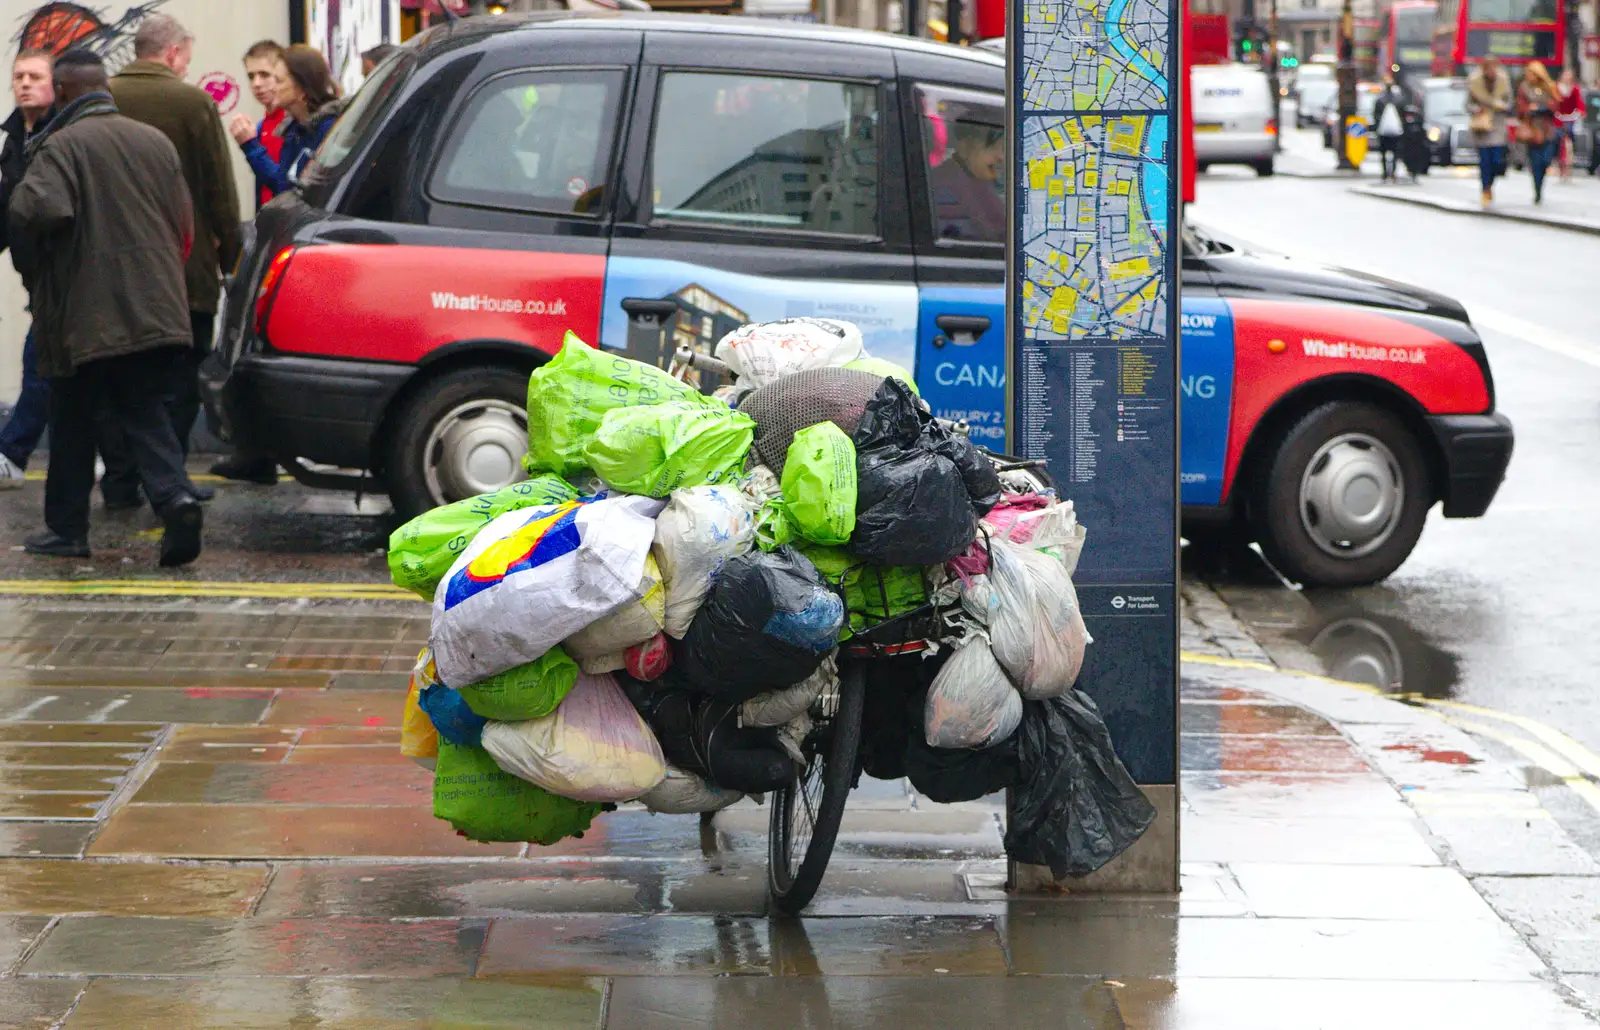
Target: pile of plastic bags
x,y
651,616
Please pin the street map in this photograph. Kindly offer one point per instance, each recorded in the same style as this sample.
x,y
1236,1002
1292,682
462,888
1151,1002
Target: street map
x,y
1087,55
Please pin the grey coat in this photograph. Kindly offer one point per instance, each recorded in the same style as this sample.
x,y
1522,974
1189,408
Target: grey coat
x,y
1496,100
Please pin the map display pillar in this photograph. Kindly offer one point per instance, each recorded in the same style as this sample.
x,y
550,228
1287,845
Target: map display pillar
x,y
1092,345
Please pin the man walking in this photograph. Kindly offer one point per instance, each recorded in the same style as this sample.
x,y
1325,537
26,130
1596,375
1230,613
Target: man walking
x,y
151,90
100,228
31,89
1390,126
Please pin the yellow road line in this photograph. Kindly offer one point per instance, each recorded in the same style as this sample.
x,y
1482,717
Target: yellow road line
x,y
1199,658
1570,749
1541,756
37,476
204,588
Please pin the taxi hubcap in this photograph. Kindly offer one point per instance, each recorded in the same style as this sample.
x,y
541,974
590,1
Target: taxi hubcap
x,y
1351,495
476,448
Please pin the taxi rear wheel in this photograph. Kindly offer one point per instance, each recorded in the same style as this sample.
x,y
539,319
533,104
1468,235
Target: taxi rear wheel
x,y
1344,497
461,435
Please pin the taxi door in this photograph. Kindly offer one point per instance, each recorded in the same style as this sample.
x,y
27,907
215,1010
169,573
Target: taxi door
x,y
955,118
758,187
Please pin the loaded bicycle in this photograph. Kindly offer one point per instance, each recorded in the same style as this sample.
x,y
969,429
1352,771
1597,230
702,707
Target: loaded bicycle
x,y
806,815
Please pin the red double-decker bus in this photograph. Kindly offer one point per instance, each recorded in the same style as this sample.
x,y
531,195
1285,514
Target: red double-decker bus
x,y
1405,38
1515,31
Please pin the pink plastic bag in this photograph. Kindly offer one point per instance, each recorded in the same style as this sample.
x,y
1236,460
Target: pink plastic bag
x,y
650,660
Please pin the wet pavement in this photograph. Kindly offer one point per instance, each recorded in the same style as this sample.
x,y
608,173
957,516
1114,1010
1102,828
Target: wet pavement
x,y
239,844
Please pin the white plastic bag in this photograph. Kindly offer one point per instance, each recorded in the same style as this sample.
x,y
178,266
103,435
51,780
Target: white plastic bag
x,y
776,707
700,529
534,577
604,640
765,351
683,792
971,703
594,747
1054,530
1037,631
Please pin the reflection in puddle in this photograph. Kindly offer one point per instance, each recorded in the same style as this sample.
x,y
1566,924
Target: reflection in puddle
x,y
1379,650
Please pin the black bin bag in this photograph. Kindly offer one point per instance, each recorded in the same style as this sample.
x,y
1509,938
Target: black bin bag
x,y
948,775
702,735
914,484
766,625
1076,806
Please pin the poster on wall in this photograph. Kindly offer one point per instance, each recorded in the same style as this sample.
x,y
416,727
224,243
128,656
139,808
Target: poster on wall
x,y
56,27
343,29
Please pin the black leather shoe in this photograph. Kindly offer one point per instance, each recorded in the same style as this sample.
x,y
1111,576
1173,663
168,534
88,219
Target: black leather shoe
x,y
118,501
48,543
257,470
180,542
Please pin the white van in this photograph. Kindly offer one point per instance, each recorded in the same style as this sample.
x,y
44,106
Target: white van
x,y
1235,116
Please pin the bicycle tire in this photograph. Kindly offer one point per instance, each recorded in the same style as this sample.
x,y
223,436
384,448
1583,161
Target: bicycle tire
x,y
791,885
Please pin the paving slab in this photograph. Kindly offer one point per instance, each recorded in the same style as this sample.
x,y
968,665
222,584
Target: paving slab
x,y
1559,914
1315,840
147,946
27,838
50,887
538,949
1203,753
17,934
335,1004
37,1003
197,704
1260,795
464,889
370,786
861,1003
1412,893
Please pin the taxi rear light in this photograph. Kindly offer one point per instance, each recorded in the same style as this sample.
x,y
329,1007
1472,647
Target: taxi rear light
x,y
1272,126
269,288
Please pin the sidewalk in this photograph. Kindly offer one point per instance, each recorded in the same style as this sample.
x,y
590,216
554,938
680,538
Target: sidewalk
x,y
1573,205
205,822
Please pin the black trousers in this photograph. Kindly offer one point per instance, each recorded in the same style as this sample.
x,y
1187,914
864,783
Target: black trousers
x,y
1389,148
182,398
125,397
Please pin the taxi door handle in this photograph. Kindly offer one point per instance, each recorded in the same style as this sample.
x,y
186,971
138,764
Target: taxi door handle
x,y
957,326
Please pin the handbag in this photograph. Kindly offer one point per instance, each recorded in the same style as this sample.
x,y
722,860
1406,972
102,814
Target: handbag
x,y
1482,120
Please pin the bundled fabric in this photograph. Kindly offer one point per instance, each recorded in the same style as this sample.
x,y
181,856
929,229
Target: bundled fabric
x,y
528,691
971,703
650,660
698,531
872,593
766,624
683,793
570,394
765,351
819,484
1032,613
656,449
419,741
776,707
886,369
486,803
422,550
605,641
532,578
594,747
702,735
913,506
1075,807
949,775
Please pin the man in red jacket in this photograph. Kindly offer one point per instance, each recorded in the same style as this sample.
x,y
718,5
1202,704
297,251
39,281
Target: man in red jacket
x,y
263,66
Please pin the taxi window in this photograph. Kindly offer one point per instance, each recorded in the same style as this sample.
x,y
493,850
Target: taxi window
x,y
539,141
767,153
964,152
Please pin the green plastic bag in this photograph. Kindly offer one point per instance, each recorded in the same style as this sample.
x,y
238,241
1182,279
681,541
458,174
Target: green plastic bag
x,y
774,526
887,369
489,804
570,394
656,449
872,593
422,550
529,691
819,484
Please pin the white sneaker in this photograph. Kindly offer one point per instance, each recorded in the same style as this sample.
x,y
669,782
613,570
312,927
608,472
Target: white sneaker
x,y
11,477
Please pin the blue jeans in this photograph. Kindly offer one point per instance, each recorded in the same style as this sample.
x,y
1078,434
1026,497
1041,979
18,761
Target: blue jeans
x,y
1491,163
1539,157
20,435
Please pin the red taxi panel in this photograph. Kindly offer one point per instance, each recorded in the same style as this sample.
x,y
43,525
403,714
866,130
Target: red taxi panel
x,y
397,303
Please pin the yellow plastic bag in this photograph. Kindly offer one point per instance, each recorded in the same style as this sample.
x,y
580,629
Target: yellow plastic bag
x,y
419,741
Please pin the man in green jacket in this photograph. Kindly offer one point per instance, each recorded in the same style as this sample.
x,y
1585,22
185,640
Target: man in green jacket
x,y
151,90
101,226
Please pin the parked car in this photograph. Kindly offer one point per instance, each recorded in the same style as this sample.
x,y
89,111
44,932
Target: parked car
x,y
1312,97
1444,119
1235,116
652,181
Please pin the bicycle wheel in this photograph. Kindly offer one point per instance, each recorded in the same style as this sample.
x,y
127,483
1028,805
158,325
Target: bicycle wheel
x,y
806,814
